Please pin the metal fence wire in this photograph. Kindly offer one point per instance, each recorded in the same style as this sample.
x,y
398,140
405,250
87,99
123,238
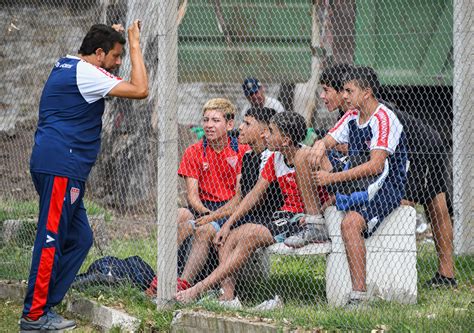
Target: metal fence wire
x,y
200,194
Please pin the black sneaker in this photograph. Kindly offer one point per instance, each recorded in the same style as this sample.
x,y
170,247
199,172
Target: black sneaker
x,y
440,281
46,323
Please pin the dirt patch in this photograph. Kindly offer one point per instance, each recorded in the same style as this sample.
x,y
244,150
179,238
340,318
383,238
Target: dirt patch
x,y
15,150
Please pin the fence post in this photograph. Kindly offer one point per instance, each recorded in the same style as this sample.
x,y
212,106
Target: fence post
x,y
167,151
463,142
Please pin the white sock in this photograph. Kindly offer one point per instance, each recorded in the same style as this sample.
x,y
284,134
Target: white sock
x,y
355,294
315,219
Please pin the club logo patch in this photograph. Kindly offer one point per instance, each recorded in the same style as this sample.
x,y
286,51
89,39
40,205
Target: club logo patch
x,y
74,194
232,160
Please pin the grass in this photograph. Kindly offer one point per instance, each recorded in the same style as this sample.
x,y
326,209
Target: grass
x,y
298,280
24,210
300,283
10,312
15,257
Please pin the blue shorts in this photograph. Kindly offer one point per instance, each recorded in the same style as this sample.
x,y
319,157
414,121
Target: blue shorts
x,y
377,209
211,205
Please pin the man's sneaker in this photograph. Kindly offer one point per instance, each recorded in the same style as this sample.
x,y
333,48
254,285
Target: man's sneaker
x,y
358,300
53,315
315,231
232,304
440,281
47,323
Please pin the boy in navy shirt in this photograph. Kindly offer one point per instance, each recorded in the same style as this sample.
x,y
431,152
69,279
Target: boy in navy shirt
x,y
376,148
67,142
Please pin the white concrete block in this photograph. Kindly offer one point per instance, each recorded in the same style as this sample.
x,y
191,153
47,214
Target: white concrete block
x,y
391,259
311,249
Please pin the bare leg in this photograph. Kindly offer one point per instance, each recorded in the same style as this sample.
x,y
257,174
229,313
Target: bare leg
x,y
307,186
255,236
437,212
228,287
199,251
184,228
229,283
351,229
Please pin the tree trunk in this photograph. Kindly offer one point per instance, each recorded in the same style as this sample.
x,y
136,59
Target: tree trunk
x,y
125,174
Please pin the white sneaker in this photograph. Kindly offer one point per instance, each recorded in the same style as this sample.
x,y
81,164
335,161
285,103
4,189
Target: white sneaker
x,y
232,304
358,300
272,304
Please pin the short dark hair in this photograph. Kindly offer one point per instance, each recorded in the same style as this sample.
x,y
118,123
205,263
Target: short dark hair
x,y
100,36
291,124
332,76
366,77
262,115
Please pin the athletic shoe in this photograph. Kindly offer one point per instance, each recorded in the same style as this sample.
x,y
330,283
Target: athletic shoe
x,y
53,315
50,322
440,281
232,304
358,300
181,285
271,304
315,231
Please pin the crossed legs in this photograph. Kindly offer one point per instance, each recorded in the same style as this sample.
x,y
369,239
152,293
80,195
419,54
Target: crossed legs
x,y
238,248
185,229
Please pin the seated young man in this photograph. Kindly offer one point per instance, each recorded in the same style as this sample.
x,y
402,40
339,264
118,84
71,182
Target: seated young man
x,y
285,132
332,96
252,131
372,130
211,167
427,184
427,177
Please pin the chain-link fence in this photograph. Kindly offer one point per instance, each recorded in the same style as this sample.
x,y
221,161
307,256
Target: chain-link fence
x,y
286,56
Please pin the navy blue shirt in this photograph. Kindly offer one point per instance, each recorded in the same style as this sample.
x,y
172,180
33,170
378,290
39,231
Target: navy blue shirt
x,y
382,131
67,139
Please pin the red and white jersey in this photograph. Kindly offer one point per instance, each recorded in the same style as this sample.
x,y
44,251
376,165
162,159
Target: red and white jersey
x,y
277,169
216,172
383,130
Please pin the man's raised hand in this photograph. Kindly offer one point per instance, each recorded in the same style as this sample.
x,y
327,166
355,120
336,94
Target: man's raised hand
x,y
118,27
134,32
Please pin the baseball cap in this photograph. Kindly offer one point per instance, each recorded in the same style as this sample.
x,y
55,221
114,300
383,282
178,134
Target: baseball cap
x,y
251,86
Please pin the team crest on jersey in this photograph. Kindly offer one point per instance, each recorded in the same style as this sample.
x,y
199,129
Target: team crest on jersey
x,y
205,166
232,160
74,194
290,178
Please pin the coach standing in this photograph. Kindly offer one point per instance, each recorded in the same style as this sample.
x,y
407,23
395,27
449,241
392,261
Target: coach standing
x,y
67,142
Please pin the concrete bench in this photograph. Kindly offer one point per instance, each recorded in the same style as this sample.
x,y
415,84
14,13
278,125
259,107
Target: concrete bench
x,y
391,258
